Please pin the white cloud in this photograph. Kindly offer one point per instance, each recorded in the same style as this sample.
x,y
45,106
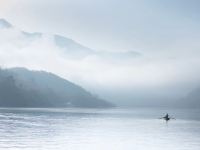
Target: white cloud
x,y
96,69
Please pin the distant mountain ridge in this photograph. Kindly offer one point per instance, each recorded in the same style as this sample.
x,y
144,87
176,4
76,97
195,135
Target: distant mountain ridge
x,y
192,100
20,87
4,24
68,46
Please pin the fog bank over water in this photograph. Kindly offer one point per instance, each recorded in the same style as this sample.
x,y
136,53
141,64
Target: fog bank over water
x,y
140,53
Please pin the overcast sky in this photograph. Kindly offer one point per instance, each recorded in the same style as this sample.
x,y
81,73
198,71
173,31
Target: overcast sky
x,y
165,33
139,25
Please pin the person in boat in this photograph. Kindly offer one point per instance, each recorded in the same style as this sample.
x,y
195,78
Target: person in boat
x,y
167,117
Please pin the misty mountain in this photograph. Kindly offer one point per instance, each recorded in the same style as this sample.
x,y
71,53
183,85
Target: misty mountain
x,y
192,100
90,68
72,47
20,87
4,24
69,48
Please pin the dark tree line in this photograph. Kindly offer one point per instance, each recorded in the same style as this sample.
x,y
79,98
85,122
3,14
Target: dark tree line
x,y
24,88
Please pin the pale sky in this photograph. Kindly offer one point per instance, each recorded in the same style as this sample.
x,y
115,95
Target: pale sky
x,y
139,25
165,33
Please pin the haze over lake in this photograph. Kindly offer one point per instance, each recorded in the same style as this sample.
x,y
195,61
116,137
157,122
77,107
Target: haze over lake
x,y
99,74
98,129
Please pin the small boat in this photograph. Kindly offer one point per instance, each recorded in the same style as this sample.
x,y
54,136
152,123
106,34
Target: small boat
x,y
166,117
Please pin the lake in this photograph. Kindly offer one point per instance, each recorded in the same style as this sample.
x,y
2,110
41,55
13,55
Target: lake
x,y
99,129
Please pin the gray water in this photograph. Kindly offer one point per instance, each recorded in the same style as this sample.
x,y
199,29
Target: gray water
x,y
98,129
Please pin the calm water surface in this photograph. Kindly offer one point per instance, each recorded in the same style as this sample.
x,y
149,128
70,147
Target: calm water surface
x,y
98,129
